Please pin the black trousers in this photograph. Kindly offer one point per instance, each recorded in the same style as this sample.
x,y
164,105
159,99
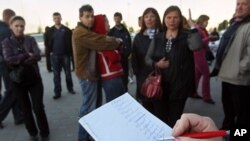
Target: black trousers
x,y
167,110
125,75
48,60
7,103
32,97
236,103
8,100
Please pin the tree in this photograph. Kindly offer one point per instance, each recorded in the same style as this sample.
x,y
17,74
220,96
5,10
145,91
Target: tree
x,y
131,29
39,29
223,25
67,24
125,24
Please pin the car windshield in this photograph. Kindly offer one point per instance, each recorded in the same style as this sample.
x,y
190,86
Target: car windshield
x,y
38,38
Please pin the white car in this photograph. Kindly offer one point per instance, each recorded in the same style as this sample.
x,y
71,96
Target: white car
x,y
40,41
215,44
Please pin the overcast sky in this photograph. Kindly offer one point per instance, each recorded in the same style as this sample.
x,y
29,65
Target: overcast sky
x,y
39,12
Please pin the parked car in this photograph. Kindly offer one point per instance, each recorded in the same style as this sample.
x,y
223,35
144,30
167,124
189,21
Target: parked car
x,y
40,41
215,44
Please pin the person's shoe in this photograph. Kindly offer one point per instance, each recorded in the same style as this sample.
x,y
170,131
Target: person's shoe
x,y
196,97
85,140
56,97
18,122
34,138
210,101
1,125
44,138
214,72
72,91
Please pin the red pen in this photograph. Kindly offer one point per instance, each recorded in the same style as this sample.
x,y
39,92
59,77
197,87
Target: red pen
x,y
200,135
208,134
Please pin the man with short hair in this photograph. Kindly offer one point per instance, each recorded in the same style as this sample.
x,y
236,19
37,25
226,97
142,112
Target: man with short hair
x,y
233,65
120,31
59,44
85,45
9,100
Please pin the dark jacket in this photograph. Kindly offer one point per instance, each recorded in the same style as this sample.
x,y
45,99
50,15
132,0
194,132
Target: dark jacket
x,y
140,47
4,33
178,78
48,36
15,53
140,69
122,32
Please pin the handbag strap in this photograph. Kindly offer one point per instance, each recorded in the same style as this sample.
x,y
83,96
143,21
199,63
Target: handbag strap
x,y
157,70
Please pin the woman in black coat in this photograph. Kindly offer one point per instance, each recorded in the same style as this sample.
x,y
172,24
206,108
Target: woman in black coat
x,y
172,54
22,54
151,25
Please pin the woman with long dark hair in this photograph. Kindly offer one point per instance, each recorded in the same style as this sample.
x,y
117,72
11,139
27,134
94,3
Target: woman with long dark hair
x,y
151,25
174,57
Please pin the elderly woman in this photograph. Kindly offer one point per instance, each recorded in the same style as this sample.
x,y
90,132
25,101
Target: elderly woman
x,y
21,53
172,53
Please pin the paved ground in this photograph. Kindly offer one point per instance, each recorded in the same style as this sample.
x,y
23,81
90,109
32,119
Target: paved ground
x,y
63,113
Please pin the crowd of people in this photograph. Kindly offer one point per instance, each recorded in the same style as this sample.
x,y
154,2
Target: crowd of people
x,y
101,58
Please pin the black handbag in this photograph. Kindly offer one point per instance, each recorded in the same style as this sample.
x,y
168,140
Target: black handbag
x,y
16,74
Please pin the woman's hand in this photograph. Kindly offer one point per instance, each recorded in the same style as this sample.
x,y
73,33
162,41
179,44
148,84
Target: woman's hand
x,y
190,20
31,54
162,64
194,123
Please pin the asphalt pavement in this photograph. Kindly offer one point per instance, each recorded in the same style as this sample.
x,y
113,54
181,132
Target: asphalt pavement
x,y
63,113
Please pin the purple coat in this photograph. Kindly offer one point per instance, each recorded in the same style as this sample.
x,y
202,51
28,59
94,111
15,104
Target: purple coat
x,y
12,54
16,52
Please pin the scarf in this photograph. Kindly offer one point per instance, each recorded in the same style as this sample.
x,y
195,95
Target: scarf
x,y
150,33
226,40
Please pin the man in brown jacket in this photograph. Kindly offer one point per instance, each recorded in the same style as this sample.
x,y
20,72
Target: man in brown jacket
x,y
85,45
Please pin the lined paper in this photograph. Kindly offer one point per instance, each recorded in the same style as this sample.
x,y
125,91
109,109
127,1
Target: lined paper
x,y
124,119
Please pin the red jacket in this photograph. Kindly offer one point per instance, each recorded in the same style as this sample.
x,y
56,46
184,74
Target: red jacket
x,y
109,61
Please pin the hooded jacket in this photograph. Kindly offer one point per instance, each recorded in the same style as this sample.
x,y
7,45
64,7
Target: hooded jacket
x,y
85,40
109,61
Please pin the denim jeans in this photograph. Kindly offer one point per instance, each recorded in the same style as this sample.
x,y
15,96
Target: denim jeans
x,y
59,62
89,96
113,88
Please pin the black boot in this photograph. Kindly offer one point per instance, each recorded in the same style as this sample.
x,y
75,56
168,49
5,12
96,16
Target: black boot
x,y
214,72
1,125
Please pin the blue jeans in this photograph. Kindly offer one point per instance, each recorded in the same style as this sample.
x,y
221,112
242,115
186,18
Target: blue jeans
x,y
89,96
59,62
113,88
